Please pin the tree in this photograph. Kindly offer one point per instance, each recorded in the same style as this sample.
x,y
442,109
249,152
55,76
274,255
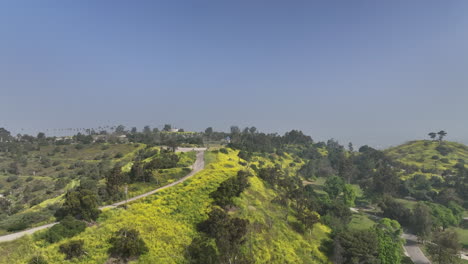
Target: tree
x,y
441,134
72,249
245,155
167,127
227,231
40,136
5,135
127,243
334,186
444,247
395,210
201,251
349,195
390,244
230,188
209,131
114,180
422,221
308,218
37,259
147,130
120,129
235,130
356,247
432,135
5,205
81,204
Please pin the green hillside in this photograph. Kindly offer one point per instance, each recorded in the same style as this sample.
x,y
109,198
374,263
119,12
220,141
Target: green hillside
x,y
430,157
167,223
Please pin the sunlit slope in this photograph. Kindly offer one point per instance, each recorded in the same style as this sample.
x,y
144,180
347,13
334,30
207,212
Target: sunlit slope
x,y
167,223
272,238
429,154
165,220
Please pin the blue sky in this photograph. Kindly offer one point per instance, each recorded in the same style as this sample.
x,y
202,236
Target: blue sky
x,y
370,72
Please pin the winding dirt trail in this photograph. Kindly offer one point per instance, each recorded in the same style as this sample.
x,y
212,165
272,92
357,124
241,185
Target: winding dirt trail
x,y
196,167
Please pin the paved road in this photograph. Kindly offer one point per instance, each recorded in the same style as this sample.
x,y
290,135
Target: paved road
x,y
413,250
411,246
196,167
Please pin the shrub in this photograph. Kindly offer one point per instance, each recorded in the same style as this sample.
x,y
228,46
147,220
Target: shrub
x,y
223,150
37,259
230,188
79,146
118,155
443,150
12,178
68,227
72,249
30,178
127,243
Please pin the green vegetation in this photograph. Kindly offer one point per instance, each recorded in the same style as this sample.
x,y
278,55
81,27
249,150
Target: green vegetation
x,y
423,153
262,198
127,243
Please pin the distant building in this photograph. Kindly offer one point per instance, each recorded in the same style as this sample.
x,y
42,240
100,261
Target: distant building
x,y
173,130
64,138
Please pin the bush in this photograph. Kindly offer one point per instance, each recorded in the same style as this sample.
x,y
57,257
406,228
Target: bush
x,y
37,259
12,178
224,151
72,249
79,146
443,150
22,221
230,188
30,178
126,243
68,227
118,155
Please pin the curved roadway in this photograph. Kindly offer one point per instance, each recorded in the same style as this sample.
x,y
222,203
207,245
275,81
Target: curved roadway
x,y
196,167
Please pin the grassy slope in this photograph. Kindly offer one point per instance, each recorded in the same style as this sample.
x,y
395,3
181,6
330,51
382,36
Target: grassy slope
x,y
47,176
272,238
420,153
167,223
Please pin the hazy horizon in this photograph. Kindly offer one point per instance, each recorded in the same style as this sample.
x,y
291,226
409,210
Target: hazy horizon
x,y
371,73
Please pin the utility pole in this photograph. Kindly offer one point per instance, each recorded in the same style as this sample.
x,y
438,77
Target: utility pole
x,y
126,195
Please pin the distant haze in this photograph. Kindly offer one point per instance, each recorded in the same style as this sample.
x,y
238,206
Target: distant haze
x,y
371,72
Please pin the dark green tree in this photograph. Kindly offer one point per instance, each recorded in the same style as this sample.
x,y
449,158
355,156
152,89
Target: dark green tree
x,y
422,221
81,204
356,247
334,186
445,247
228,233
72,249
441,135
127,243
